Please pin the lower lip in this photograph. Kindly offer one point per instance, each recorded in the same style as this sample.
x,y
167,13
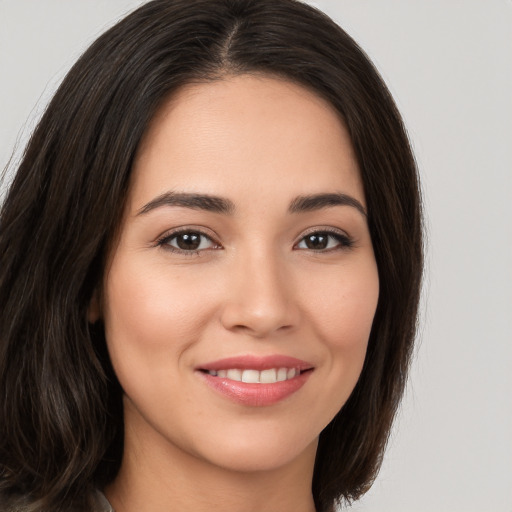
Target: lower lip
x,y
256,395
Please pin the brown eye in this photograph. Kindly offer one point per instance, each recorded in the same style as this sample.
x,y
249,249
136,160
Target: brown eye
x,y
317,241
189,241
324,241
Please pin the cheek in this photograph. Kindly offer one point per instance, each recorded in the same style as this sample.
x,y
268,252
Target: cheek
x,y
343,306
150,317
342,312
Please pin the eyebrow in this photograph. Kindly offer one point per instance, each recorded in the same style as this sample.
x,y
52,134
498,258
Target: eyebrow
x,y
195,201
225,206
319,201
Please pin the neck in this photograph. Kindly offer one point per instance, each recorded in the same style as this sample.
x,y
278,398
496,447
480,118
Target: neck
x,y
157,476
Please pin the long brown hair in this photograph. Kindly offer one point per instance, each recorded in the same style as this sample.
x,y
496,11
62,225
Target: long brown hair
x,y
61,424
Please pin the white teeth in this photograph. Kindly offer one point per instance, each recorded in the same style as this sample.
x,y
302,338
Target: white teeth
x,y
251,376
269,376
234,374
282,374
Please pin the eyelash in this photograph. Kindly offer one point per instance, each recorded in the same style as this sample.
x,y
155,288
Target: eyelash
x,y
344,241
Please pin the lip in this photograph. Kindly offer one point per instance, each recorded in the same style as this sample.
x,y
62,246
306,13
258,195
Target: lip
x,y
255,395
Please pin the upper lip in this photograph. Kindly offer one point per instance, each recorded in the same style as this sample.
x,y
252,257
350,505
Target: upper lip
x,y
253,362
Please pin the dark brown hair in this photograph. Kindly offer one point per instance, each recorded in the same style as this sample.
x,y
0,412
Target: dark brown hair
x,y
61,425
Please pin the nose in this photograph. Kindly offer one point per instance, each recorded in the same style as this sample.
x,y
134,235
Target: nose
x,y
260,300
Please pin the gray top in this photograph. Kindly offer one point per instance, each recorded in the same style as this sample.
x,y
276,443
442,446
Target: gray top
x,y
103,504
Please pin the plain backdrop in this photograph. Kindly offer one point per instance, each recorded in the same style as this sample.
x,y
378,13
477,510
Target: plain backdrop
x,y
449,65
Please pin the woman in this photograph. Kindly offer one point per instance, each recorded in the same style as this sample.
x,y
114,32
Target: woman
x,y
211,260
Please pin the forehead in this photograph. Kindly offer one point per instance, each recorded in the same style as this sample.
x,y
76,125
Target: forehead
x,y
244,136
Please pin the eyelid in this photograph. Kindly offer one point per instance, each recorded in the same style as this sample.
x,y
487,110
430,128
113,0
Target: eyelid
x,y
188,227
323,229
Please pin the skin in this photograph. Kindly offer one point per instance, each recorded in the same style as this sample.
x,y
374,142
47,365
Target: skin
x,y
254,287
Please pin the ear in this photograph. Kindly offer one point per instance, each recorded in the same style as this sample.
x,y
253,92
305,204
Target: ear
x,y
94,309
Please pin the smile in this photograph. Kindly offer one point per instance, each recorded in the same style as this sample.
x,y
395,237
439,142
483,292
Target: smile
x,y
252,376
256,381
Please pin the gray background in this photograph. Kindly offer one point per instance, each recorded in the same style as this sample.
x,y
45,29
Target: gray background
x,y
449,65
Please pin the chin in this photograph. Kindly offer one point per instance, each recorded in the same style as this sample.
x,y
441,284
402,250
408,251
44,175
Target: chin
x,y
250,459
258,451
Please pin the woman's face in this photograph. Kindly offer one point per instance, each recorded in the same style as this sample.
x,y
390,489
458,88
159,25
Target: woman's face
x,y
239,299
